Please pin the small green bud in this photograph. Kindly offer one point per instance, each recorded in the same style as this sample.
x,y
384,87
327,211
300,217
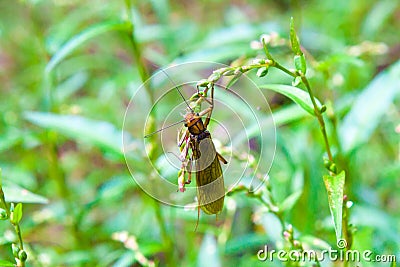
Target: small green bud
x,y
257,193
15,250
238,71
194,97
3,214
214,77
221,70
323,109
330,166
296,81
296,243
287,235
229,72
327,163
333,168
245,68
300,63
202,83
290,228
261,72
22,255
257,61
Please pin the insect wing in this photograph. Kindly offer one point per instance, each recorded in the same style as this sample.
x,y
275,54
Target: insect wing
x,y
209,177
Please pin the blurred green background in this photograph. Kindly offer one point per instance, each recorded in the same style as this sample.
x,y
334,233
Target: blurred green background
x,y
68,71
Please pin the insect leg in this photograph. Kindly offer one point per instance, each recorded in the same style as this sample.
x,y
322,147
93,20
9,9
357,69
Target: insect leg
x,y
182,171
189,169
183,138
221,158
207,121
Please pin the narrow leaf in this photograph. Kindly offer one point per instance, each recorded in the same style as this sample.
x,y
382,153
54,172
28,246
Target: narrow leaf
x,y
290,201
293,39
299,96
16,215
98,133
15,193
369,107
81,38
334,186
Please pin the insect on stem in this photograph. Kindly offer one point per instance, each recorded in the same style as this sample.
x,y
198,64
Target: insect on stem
x,y
198,150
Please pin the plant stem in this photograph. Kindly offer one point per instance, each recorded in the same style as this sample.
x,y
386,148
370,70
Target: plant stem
x,y
15,225
164,233
19,234
4,203
319,116
285,70
144,75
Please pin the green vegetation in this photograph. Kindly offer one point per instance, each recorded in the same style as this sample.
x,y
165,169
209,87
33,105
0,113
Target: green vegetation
x,y
69,69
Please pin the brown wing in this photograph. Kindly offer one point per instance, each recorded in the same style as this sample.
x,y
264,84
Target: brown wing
x,y
209,177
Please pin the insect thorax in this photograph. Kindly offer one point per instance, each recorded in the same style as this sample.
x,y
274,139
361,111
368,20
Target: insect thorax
x,y
195,125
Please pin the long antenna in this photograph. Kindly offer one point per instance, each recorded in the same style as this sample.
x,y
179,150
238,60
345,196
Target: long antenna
x,y
175,123
179,91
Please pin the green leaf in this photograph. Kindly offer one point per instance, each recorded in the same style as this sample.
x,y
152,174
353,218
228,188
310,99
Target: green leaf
x,y
294,41
290,201
5,263
369,107
82,37
15,193
334,186
125,260
283,116
378,17
10,138
70,86
374,217
98,133
114,188
16,214
261,72
299,96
